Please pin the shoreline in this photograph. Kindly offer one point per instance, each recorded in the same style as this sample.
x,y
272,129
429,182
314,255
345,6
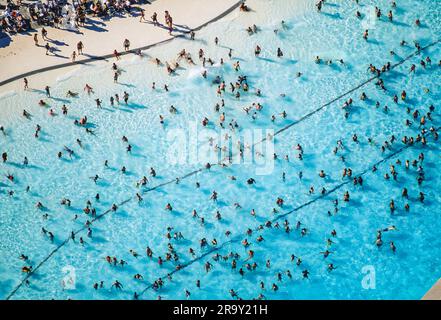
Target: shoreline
x,y
16,57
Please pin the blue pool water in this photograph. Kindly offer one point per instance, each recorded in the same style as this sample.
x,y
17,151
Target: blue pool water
x,y
363,271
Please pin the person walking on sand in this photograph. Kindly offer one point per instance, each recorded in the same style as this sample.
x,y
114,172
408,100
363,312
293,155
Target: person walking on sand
x,y
116,54
155,19
142,15
26,83
48,48
88,89
126,45
73,56
168,21
44,34
36,39
80,47
166,17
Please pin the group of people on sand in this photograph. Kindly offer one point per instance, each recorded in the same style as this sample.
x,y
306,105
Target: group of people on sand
x,y
50,49
247,259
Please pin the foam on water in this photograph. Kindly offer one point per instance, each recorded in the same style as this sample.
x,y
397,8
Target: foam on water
x,y
333,34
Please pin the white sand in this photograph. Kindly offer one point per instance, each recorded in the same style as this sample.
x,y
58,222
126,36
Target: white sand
x,y
21,55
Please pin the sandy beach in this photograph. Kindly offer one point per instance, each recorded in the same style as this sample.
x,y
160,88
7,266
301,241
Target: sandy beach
x,y
19,54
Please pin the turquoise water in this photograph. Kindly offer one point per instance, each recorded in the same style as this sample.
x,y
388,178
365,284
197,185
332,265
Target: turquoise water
x,y
336,33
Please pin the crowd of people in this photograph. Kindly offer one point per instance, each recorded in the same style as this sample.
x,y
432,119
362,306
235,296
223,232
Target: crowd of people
x,y
11,20
19,17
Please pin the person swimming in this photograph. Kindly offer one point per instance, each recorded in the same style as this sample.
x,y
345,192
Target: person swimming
x,y
71,94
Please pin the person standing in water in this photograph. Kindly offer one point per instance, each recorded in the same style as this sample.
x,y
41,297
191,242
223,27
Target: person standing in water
x,y
48,91
80,47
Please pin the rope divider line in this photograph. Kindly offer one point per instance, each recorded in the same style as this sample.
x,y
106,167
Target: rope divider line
x,y
356,88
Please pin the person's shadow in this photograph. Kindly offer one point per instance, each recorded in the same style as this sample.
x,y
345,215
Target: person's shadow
x,y
5,39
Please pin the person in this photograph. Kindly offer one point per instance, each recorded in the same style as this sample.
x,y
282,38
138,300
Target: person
x,y
393,247
155,18
73,56
80,47
319,5
36,39
118,285
44,33
26,114
167,17
365,34
142,17
126,45
331,267
305,274
88,89
390,15
26,83
48,48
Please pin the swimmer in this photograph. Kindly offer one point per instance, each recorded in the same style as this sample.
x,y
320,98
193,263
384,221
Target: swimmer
x,y
71,94
257,51
88,89
279,53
